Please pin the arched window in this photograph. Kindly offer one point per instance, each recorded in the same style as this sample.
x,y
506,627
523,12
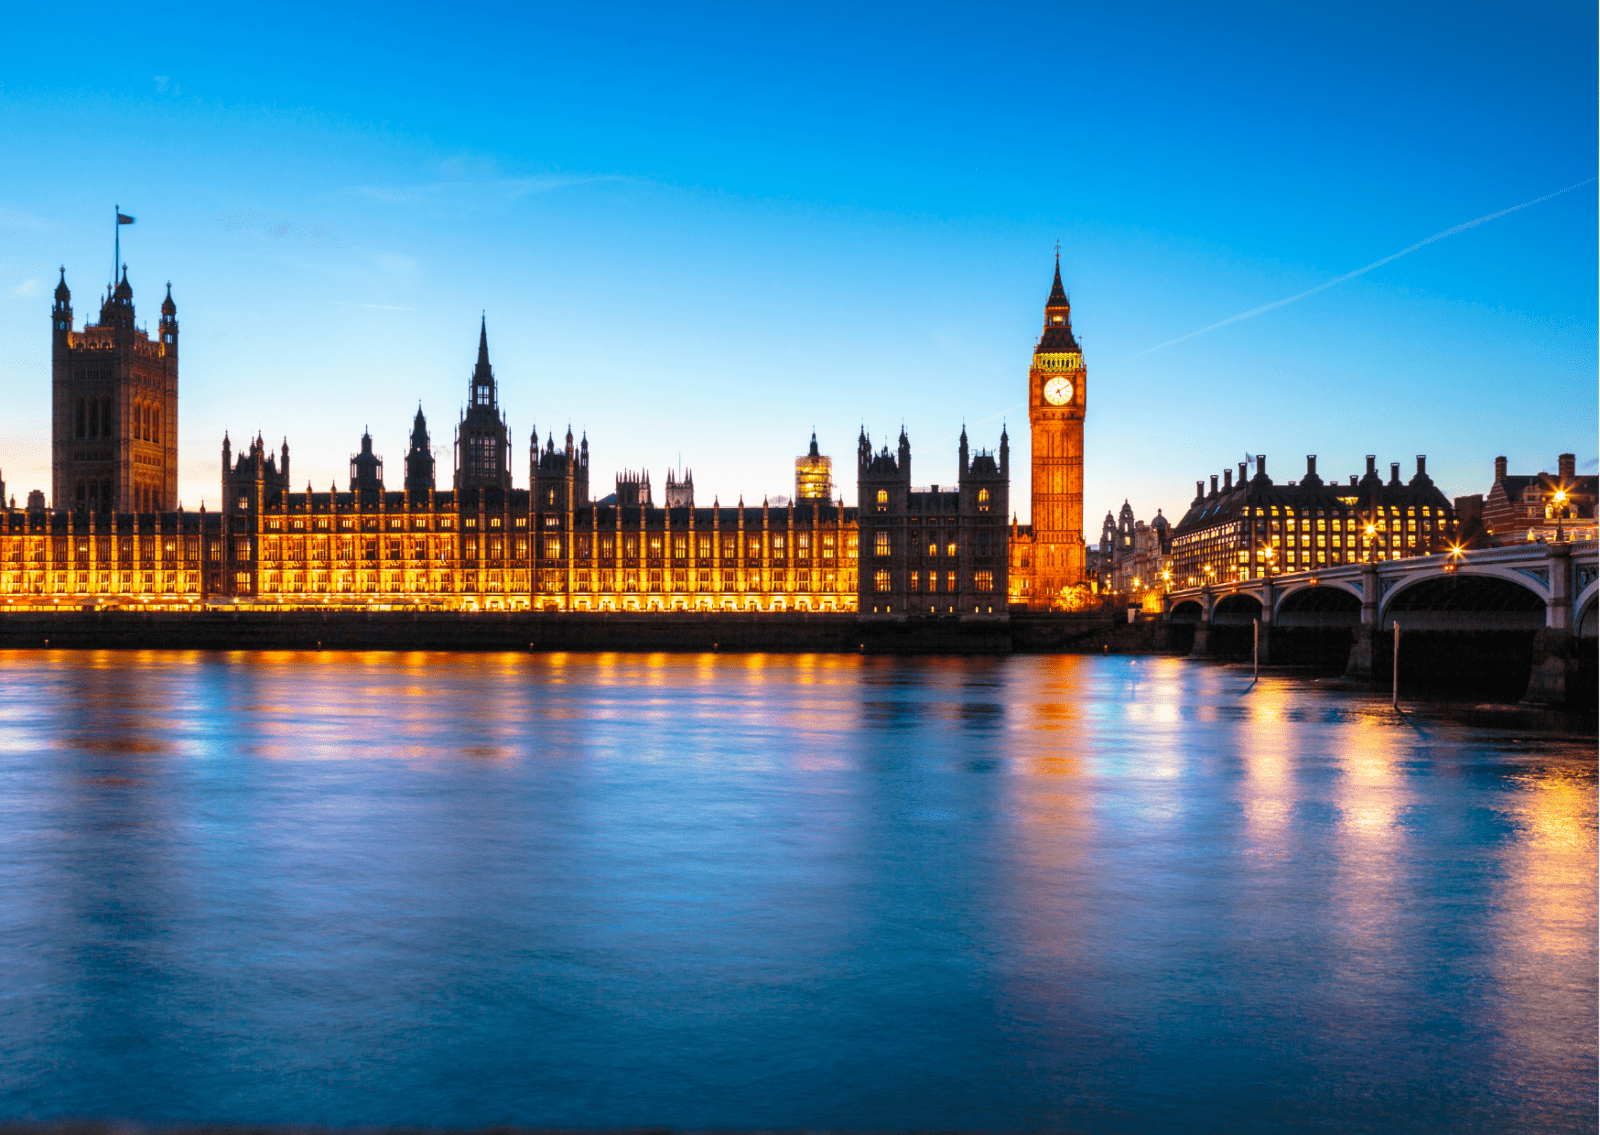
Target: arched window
x,y
155,425
94,417
880,581
80,430
105,418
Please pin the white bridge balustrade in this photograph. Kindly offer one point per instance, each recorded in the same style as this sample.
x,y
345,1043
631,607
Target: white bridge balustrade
x,y
1549,589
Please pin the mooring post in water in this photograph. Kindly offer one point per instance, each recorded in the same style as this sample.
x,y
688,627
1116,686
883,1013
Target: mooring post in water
x,y
1255,652
1395,697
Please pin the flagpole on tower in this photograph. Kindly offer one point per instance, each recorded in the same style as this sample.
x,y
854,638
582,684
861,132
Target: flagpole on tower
x,y
116,257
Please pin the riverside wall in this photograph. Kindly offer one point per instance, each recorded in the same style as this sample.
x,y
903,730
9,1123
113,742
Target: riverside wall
x,y
788,632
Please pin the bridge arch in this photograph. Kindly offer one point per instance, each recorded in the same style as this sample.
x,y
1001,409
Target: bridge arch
x,y
1239,608
1186,611
1584,610
1586,618
1334,603
1465,601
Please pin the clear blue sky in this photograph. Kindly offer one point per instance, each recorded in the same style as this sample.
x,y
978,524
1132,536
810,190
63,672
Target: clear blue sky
x,y
704,230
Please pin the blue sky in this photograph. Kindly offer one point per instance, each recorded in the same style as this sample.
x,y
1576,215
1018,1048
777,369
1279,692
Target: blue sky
x,y
703,231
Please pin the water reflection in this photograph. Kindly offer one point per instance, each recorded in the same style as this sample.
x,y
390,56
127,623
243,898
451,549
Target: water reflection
x,y
780,891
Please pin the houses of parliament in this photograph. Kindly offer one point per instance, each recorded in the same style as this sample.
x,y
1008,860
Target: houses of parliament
x,y
113,535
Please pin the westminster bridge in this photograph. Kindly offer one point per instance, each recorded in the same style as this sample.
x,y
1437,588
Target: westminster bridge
x,y
1546,589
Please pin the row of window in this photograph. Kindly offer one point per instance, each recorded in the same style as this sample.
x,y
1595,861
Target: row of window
x,y
882,581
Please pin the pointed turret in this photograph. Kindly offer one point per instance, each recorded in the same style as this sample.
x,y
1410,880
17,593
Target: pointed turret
x,y
168,308
63,294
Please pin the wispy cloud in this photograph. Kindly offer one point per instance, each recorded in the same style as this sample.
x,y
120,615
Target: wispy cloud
x,y
1275,304
14,218
26,288
374,306
498,189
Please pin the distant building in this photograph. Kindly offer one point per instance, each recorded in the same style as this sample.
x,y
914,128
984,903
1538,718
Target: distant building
x,y
813,475
938,550
680,488
1535,506
1133,556
1256,528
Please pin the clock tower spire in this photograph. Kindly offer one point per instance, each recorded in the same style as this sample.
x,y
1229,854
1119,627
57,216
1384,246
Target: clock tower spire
x,y
1057,398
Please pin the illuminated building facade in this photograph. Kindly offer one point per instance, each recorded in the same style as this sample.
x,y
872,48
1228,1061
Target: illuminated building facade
x,y
813,475
1255,528
1534,506
483,545
933,551
114,406
1047,557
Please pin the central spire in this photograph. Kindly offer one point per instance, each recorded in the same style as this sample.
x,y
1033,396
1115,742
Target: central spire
x,y
483,386
483,335
1058,294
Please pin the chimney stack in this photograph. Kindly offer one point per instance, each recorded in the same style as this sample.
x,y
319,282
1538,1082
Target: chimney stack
x,y
1261,465
1394,472
1422,464
1311,465
1227,480
1243,475
1372,465
1567,466
1499,468
1213,484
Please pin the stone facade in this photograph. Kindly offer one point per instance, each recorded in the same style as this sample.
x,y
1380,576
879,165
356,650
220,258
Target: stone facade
x,y
936,550
114,406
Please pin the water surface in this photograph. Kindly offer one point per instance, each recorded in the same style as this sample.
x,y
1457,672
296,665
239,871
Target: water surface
x,y
1097,894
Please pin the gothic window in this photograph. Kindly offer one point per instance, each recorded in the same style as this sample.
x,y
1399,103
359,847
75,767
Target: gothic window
x,y
983,500
916,580
80,418
880,581
880,545
105,418
950,581
155,425
950,549
883,500
985,580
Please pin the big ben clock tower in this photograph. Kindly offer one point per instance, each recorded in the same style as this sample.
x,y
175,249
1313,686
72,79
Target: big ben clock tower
x,y
1057,398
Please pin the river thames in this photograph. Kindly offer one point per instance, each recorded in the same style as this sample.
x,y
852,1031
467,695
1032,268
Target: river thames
x,y
1028,893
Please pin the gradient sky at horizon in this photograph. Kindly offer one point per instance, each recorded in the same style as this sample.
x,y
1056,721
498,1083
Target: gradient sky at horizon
x,y
701,233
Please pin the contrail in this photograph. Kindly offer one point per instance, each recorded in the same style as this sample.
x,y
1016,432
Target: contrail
x,y
1360,271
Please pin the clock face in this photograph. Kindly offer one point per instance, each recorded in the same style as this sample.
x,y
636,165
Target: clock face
x,y
1058,391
